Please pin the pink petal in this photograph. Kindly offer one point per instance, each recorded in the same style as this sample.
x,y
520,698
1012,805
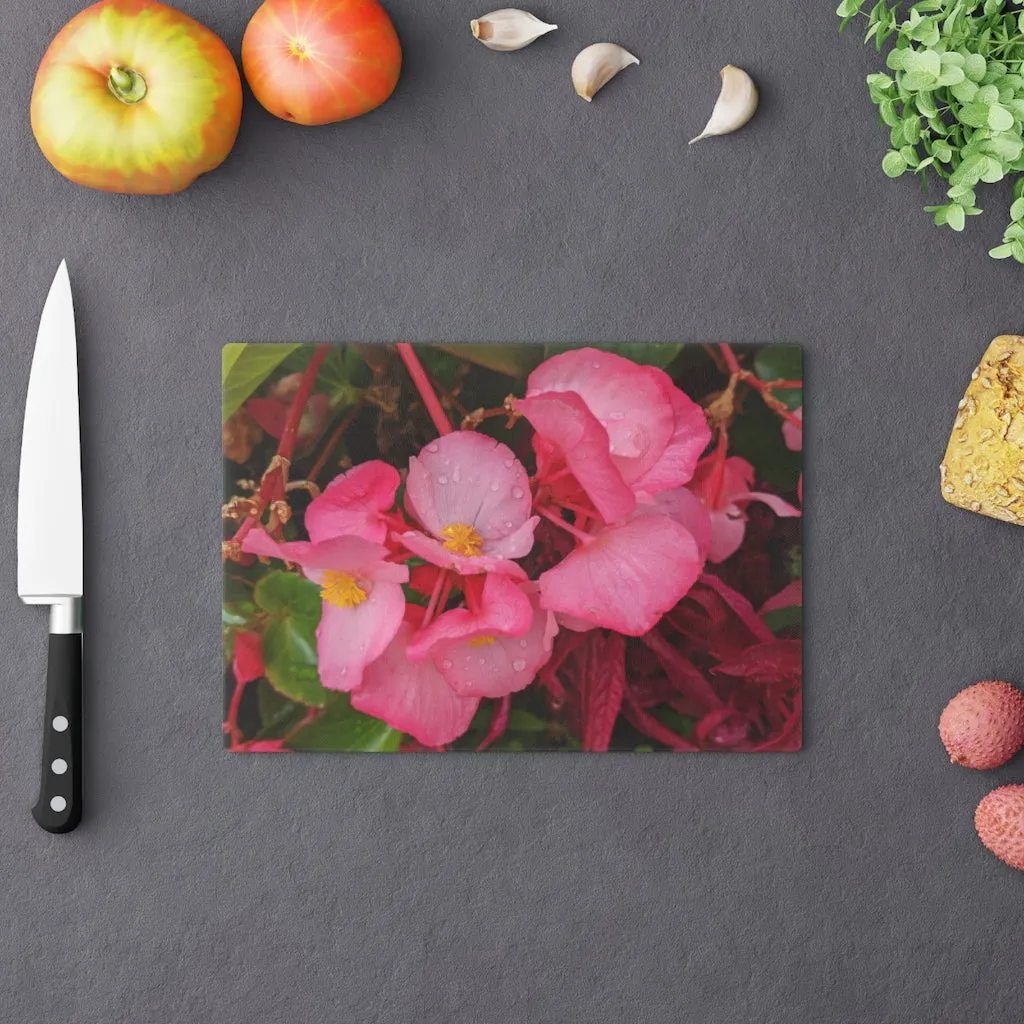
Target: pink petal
x,y
342,554
684,507
727,530
565,420
466,477
515,545
413,698
720,492
678,461
353,502
505,666
466,565
792,434
773,501
349,639
504,609
259,542
631,402
627,577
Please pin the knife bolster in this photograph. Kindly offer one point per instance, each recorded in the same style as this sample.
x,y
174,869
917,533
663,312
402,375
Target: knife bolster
x,y
66,615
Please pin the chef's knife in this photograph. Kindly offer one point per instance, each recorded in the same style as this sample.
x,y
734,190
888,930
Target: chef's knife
x,y
50,548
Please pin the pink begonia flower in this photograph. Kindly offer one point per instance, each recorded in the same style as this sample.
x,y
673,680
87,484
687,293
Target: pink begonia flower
x,y
726,492
684,507
627,576
503,608
472,497
363,602
623,430
792,434
413,697
353,504
494,650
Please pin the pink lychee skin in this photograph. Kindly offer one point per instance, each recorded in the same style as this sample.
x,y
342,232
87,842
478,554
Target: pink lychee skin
x,y
999,821
983,725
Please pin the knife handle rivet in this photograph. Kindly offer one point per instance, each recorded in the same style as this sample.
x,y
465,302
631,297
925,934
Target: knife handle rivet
x,y
59,766
60,724
58,804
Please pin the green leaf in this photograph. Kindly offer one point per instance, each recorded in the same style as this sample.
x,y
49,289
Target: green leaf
x,y
1000,252
782,618
278,715
893,164
848,8
926,104
965,92
1017,248
974,66
342,728
925,62
245,368
289,637
1017,210
974,114
888,113
941,151
911,129
955,217
514,360
999,118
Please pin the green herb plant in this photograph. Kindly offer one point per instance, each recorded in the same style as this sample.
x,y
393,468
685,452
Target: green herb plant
x,y
954,101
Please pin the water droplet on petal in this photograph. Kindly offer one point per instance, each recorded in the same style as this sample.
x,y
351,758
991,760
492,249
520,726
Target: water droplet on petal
x,y
432,447
442,479
517,492
617,416
597,366
519,664
495,485
482,661
344,671
523,643
456,476
508,524
509,463
446,663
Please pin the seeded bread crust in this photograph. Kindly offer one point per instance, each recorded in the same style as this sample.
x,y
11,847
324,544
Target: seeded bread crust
x,y
983,470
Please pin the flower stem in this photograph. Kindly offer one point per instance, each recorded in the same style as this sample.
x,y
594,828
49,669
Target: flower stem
x,y
764,388
584,538
422,382
435,595
333,441
272,486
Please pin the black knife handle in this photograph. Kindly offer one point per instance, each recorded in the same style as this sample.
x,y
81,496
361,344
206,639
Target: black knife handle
x,y
59,807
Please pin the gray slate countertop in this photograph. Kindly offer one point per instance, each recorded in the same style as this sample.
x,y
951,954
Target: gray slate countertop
x,y
486,202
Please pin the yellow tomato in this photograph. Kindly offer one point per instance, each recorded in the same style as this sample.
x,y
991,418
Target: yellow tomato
x,y
135,96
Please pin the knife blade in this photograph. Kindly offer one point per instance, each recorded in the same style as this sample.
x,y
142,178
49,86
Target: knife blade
x,y
50,541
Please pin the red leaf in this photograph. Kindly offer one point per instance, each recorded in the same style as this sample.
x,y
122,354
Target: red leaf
x,y
603,685
248,661
740,605
650,726
780,661
687,679
499,721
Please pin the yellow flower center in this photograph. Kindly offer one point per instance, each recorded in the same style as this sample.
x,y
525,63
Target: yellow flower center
x,y
341,589
298,46
480,641
462,539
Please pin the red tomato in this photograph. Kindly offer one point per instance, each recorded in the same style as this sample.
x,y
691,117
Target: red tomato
x,y
318,61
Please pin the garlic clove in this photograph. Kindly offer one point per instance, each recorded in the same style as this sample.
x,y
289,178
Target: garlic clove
x,y
596,65
509,29
735,105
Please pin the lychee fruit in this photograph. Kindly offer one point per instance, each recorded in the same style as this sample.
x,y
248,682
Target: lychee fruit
x,y
983,725
999,821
